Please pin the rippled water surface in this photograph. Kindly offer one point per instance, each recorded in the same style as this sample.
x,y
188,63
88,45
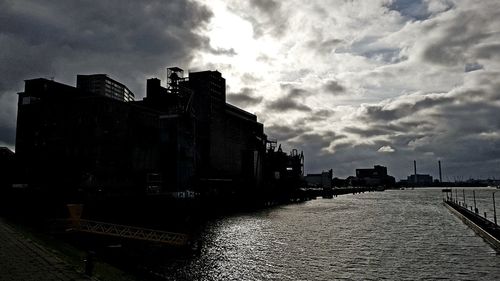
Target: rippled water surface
x,y
392,235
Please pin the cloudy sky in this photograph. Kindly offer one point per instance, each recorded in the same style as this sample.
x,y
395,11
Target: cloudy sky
x,y
352,83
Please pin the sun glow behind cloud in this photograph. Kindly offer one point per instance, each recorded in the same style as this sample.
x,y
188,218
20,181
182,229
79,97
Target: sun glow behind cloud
x,y
247,56
350,82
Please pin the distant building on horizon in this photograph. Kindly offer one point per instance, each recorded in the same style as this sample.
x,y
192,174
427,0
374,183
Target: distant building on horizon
x,y
420,179
373,177
323,180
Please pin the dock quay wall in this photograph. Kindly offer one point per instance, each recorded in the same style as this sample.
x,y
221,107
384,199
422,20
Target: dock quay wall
x,y
488,230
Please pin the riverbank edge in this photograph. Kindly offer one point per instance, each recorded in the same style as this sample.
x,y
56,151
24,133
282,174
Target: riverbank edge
x,y
69,254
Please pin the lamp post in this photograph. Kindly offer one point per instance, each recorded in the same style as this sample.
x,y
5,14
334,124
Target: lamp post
x,y
463,193
474,194
494,209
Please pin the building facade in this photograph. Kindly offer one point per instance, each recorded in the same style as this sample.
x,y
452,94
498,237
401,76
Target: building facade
x,y
323,180
373,177
420,179
183,136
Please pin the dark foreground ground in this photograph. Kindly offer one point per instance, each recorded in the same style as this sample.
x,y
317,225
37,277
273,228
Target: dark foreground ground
x,y
26,254
23,259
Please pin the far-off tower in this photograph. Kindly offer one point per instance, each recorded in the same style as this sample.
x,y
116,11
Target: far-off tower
x,y
440,175
415,170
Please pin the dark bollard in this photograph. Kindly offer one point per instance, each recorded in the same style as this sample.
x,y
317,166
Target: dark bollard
x,y
89,263
485,215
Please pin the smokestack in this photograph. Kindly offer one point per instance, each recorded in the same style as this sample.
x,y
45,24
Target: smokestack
x,y
415,169
440,176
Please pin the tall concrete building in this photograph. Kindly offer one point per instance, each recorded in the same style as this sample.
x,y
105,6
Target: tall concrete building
x,y
103,85
228,142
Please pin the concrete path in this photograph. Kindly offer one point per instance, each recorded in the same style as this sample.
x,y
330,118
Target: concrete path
x,y
23,259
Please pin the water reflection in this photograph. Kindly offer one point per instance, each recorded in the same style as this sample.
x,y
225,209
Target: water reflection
x,y
395,235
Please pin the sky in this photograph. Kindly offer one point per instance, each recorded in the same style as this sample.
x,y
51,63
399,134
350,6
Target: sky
x,y
351,83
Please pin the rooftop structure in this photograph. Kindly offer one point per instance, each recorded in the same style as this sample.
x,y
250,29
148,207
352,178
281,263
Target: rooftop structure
x,y
103,85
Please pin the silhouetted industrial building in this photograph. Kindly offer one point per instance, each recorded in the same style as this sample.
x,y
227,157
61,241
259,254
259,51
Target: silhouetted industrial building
x,y
72,139
225,145
283,173
180,137
373,177
420,179
323,180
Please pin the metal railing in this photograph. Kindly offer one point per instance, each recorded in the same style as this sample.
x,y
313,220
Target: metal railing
x,y
130,232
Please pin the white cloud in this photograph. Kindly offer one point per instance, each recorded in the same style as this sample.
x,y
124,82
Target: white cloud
x,y
402,70
386,149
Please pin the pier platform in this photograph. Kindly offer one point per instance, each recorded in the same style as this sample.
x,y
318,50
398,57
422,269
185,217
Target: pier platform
x,y
488,230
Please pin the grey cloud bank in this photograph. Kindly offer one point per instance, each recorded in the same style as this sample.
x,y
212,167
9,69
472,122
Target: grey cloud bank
x,y
352,83
129,40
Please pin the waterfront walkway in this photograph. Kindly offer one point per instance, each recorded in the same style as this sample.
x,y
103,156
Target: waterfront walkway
x,y
23,259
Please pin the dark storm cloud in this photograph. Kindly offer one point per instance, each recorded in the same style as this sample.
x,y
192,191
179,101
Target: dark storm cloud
x,y
266,6
488,51
460,128
315,143
287,104
459,37
469,67
312,140
366,132
129,40
246,97
381,113
219,51
284,133
314,146
334,87
266,16
316,116
291,101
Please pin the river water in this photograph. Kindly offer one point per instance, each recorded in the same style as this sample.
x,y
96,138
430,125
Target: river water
x,y
391,235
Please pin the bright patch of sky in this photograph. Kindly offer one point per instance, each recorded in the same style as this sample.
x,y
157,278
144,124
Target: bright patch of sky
x,y
359,77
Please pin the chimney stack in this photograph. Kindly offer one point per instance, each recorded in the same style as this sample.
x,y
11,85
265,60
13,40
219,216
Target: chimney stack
x,y
415,170
440,176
